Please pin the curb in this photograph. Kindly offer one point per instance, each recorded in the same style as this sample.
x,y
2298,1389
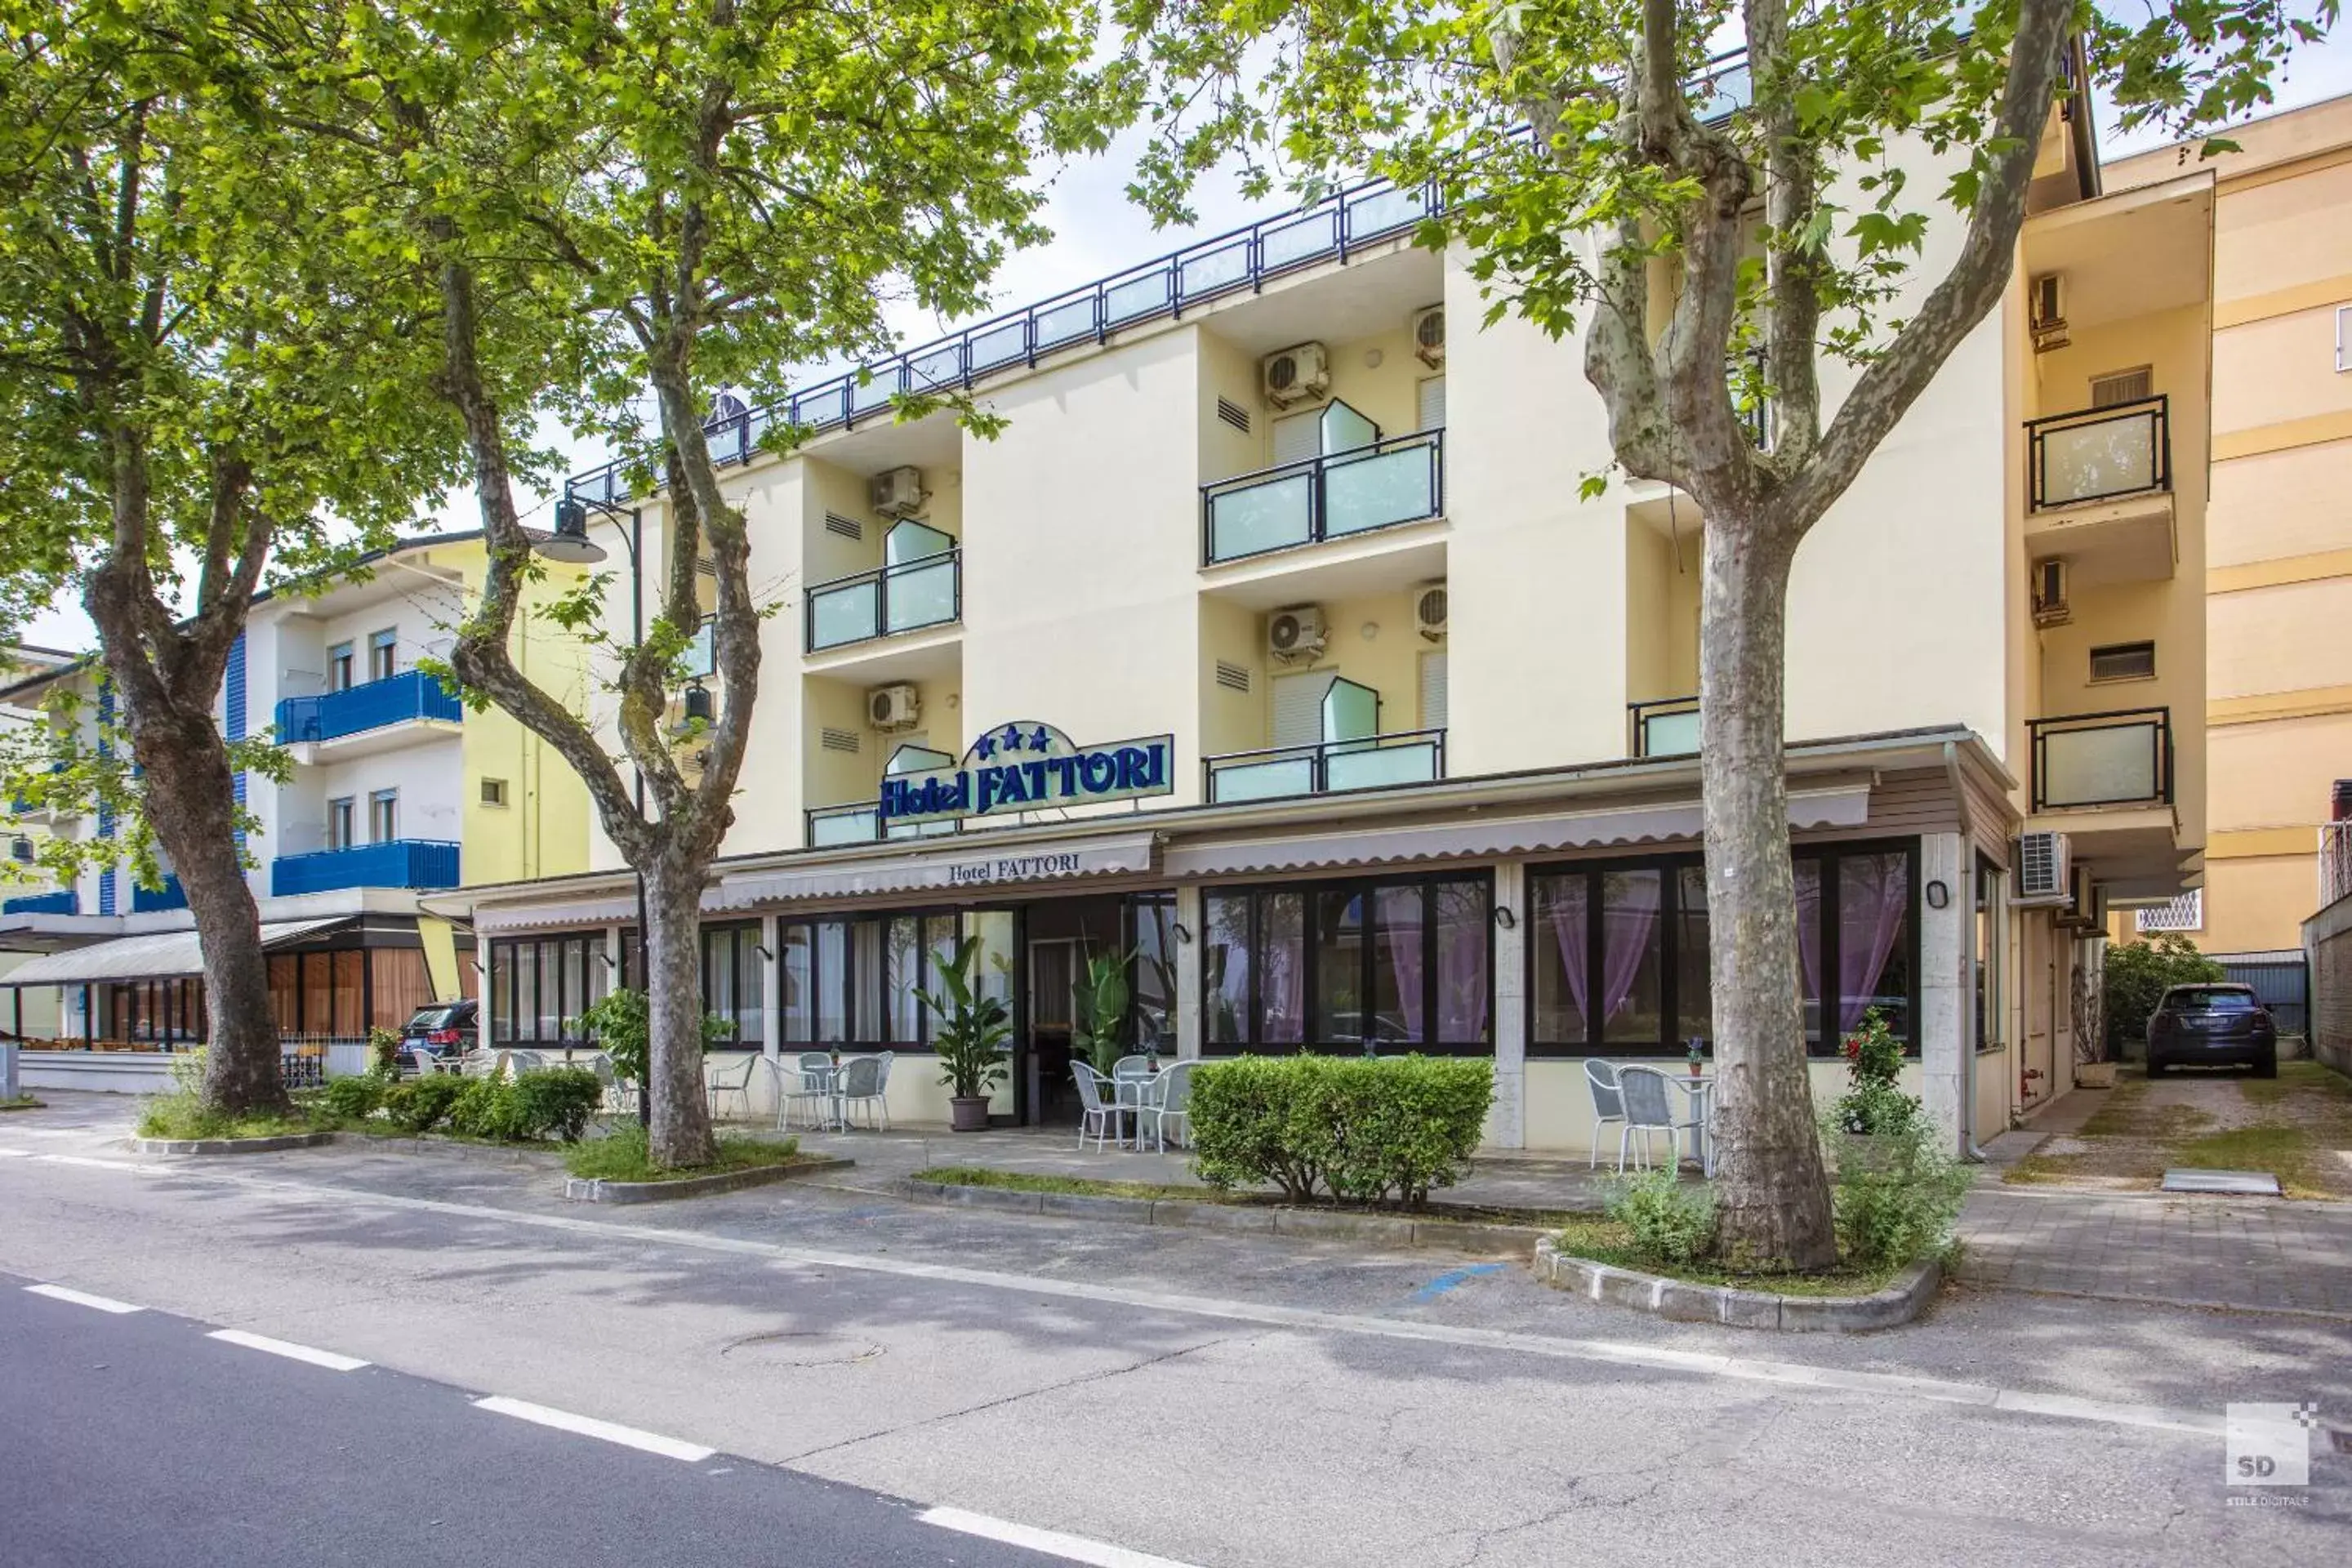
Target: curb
x,y
1334,1225
406,1143
1682,1302
230,1145
597,1190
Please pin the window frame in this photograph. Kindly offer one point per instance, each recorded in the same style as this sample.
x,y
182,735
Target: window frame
x,y
496,1022
742,939
383,812
384,654
342,664
2091,665
344,822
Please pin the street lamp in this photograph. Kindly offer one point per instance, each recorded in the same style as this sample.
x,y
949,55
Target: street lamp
x,y
570,544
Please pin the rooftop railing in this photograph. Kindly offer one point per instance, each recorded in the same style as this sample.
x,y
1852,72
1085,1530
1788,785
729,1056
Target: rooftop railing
x,y
1376,762
1397,481
395,700
2100,454
1666,727
2123,758
64,901
831,824
926,592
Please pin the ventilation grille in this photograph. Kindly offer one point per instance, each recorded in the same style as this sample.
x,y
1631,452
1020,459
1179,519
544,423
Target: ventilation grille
x,y
840,740
2124,387
848,527
1233,676
1234,413
2124,661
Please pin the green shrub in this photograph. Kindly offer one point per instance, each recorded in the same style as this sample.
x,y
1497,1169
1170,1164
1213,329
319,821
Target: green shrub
x,y
1364,1129
1668,1222
352,1099
1871,1104
2137,974
1897,1194
556,1102
421,1104
486,1108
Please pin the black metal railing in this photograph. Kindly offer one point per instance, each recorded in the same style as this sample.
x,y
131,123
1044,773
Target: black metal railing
x,y
883,603
1376,762
2123,758
2099,454
1662,727
1398,479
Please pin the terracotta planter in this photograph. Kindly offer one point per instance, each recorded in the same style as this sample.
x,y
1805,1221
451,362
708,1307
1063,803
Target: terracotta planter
x,y
968,1113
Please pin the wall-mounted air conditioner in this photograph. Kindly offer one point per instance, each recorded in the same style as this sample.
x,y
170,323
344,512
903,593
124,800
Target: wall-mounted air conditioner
x,y
896,492
1297,374
2044,871
1429,334
2046,312
891,708
1297,633
1428,611
2050,606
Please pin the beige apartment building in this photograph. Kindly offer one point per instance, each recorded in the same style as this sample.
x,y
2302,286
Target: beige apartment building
x,y
2278,570
1273,648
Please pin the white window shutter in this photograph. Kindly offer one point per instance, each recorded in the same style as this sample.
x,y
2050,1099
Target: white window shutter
x,y
1297,436
1433,690
1433,403
1298,707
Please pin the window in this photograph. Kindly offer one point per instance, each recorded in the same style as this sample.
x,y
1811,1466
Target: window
x,y
2124,661
1618,951
732,968
339,676
494,792
1989,953
382,655
342,826
384,816
541,985
861,981
1433,690
1394,964
2119,387
1297,436
1433,403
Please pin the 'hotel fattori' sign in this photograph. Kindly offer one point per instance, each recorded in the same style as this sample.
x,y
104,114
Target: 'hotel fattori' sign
x,y
1028,767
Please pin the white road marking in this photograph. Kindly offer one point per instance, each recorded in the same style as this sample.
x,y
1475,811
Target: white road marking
x,y
589,1426
82,1299
88,1163
16,1153
1076,1548
1701,1364
328,1359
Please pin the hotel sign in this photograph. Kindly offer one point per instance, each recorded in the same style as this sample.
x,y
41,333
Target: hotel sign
x,y
1028,766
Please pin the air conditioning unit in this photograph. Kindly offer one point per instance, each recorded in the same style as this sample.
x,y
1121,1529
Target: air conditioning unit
x,y
1296,633
1429,610
2050,606
2046,312
1429,336
2046,872
891,708
1298,375
896,492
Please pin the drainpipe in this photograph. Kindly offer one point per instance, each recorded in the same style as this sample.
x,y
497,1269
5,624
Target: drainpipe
x,y
1967,1041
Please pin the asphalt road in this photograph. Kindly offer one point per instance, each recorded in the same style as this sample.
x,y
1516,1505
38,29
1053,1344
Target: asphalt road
x,y
1218,1400
138,1438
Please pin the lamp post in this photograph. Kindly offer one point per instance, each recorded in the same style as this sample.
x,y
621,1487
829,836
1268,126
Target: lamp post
x,y
570,544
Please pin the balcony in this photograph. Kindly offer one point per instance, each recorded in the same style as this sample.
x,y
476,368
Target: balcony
x,y
833,825
884,603
2102,760
1666,727
410,697
1334,496
1376,762
64,901
156,900
394,863
2100,495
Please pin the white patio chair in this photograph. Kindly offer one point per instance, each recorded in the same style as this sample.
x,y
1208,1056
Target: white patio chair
x,y
1608,1105
811,1084
861,1078
1172,1102
1649,1109
1097,1113
518,1063
732,1081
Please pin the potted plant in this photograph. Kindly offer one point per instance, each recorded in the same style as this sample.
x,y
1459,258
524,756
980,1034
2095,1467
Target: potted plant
x,y
1873,1117
1101,1016
971,1037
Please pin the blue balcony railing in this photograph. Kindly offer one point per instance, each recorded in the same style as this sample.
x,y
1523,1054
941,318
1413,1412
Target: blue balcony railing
x,y
925,592
410,695
1408,757
64,901
394,863
1400,479
155,901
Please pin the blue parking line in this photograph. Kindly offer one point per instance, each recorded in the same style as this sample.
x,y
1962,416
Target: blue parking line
x,y
1452,1277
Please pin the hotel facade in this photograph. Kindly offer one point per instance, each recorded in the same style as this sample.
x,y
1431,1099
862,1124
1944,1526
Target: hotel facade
x,y
1275,649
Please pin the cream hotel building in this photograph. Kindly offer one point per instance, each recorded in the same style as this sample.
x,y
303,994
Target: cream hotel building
x,y
1328,698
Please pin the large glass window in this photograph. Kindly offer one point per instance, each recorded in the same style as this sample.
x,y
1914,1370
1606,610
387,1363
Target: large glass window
x,y
1151,921
541,985
731,979
1394,964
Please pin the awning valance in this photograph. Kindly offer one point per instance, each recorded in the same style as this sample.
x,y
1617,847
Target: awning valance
x,y
161,955
945,864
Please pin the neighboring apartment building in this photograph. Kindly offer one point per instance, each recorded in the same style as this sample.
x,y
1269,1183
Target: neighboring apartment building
x,y
1273,642
395,789
2278,574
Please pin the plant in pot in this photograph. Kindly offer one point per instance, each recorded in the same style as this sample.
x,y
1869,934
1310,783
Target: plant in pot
x,y
970,1036
1101,1016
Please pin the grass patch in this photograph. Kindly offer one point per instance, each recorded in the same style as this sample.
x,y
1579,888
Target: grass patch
x,y
184,1116
1606,1241
1158,1192
622,1157
22,1102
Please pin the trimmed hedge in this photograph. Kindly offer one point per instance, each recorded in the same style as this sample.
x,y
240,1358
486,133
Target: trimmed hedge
x,y
548,1102
1364,1129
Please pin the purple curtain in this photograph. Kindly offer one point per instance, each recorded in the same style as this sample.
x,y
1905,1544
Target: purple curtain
x,y
1629,925
1874,897
1398,911
1462,964
1227,954
1560,904
1809,931
1283,986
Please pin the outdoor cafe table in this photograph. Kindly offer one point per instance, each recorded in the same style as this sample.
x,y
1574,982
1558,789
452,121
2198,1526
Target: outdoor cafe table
x,y
1133,1094
1699,1095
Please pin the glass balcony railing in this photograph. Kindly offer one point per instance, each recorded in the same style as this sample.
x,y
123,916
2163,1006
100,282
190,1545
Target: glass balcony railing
x,y
1668,726
926,592
1402,480
2123,758
64,901
394,863
154,900
1377,761
397,699
2100,454
831,824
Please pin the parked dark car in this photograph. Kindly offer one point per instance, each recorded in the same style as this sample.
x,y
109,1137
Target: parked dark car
x,y
445,1029
2212,1026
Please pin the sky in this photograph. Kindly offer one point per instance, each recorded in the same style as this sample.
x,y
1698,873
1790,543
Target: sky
x,y
1098,231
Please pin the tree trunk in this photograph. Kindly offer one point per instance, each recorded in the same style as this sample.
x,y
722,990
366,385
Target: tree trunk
x,y
681,1134
191,806
1772,1194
